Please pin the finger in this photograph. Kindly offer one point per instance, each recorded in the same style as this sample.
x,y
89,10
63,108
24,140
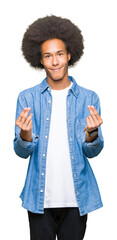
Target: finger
x,y
29,127
88,122
92,110
28,119
91,125
94,119
95,115
23,116
24,121
100,121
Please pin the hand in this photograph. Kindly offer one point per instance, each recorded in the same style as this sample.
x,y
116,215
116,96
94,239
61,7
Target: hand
x,y
24,122
94,120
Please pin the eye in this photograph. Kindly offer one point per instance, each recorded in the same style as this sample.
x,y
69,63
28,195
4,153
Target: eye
x,y
60,54
47,56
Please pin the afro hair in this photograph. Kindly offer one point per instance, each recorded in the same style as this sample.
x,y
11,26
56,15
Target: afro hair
x,y
47,28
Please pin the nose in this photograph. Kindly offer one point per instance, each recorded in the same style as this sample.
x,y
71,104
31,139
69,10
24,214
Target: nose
x,y
54,61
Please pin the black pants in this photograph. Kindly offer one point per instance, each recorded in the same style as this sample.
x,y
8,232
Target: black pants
x,y
65,223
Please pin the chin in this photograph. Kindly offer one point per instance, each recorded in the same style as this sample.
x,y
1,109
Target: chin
x,y
57,79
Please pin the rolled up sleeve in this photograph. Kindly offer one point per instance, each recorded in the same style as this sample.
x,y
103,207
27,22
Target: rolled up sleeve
x,y
23,148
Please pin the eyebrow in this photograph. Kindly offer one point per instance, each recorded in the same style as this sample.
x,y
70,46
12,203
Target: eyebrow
x,y
50,53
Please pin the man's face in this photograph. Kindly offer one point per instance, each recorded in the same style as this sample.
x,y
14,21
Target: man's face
x,y
55,59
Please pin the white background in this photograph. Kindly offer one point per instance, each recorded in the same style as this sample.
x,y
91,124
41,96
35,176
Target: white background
x,y
96,70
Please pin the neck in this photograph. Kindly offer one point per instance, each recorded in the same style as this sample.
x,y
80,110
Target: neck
x,y
58,84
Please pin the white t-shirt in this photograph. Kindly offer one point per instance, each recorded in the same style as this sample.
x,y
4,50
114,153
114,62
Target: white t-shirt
x,y
59,186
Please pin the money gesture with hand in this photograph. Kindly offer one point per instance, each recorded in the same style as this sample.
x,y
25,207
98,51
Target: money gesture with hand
x,y
24,122
93,122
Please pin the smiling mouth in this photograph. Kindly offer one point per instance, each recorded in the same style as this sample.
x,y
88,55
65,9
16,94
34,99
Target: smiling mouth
x,y
56,69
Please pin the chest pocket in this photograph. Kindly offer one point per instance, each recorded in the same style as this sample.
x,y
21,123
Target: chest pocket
x,y
80,125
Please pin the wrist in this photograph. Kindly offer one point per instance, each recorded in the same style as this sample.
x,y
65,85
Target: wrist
x,y
92,133
91,136
26,135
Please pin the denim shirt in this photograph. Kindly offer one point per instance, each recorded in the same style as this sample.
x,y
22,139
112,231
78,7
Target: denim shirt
x,y
39,98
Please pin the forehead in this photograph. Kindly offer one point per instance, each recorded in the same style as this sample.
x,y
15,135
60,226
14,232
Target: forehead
x,y
53,45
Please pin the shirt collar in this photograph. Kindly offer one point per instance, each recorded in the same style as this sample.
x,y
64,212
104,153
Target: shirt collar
x,y
44,85
74,88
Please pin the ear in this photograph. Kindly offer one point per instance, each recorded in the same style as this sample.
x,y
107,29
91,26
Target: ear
x,y
69,56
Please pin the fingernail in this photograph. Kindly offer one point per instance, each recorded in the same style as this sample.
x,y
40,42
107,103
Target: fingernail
x,y
26,108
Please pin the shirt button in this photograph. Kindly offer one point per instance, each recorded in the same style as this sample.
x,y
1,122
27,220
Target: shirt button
x,y
70,139
77,193
42,174
49,101
47,119
46,136
41,190
43,154
36,137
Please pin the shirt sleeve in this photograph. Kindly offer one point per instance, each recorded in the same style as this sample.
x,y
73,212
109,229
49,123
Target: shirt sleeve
x,y
92,149
23,148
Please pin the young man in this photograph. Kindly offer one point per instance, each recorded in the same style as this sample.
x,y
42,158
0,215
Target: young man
x,y
58,125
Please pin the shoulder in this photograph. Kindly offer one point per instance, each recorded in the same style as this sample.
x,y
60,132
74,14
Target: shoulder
x,y
87,92
82,91
32,91
89,96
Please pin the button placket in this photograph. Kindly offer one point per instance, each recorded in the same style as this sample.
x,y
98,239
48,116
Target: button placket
x,y
77,193
70,139
44,150
71,143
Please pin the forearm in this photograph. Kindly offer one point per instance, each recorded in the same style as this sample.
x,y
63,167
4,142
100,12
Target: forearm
x,y
26,135
91,138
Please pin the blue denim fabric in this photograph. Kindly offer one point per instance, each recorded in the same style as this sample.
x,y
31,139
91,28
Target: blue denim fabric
x,y
39,98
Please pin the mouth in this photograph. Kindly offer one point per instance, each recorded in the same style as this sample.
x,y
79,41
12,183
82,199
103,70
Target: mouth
x,y
56,69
